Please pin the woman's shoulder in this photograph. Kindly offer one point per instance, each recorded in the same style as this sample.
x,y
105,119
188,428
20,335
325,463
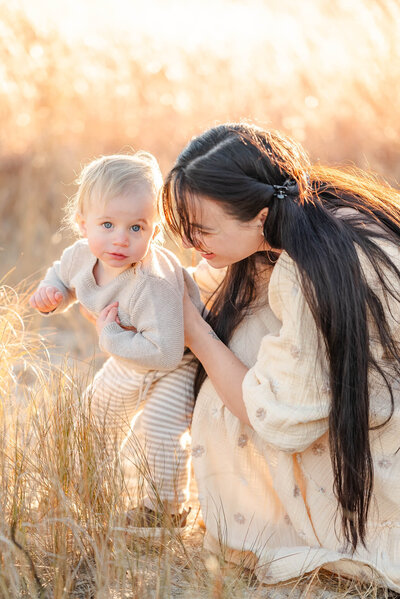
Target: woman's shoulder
x,y
285,272
285,295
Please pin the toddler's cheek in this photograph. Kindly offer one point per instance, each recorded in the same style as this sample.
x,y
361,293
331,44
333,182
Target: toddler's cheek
x,y
96,246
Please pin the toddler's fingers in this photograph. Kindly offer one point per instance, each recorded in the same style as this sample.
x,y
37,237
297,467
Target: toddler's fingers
x,y
107,309
54,296
37,303
40,305
113,305
36,300
45,302
112,314
103,314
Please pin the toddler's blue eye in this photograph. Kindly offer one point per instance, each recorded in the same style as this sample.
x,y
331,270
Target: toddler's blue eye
x,y
135,228
107,225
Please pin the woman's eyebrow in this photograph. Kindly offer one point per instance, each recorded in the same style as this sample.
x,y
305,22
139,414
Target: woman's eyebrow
x,y
203,227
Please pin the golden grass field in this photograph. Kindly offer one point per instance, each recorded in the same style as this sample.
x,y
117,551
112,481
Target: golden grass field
x,y
325,72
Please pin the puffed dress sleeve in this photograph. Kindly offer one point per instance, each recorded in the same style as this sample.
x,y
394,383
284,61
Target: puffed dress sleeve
x,y
286,392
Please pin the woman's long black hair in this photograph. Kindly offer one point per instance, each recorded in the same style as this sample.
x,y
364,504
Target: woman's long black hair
x,y
238,165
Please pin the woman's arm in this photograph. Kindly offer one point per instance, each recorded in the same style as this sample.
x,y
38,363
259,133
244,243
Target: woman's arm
x,y
285,395
224,369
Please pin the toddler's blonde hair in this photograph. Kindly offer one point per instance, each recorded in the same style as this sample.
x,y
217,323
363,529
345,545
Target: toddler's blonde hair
x,y
111,176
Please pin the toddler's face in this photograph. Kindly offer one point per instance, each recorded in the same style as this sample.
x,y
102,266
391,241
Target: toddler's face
x,y
120,232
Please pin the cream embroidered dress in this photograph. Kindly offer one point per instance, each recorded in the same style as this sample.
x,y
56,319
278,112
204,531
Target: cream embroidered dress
x,y
266,490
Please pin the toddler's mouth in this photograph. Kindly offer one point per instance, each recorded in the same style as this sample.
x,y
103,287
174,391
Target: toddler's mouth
x,y
118,256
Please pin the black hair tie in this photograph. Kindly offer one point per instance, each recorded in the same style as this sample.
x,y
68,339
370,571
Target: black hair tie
x,y
289,188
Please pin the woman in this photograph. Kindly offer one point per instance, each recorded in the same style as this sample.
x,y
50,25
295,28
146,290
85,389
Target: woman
x,y
296,426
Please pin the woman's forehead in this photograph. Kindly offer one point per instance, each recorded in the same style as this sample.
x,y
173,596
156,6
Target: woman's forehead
x,y
203,210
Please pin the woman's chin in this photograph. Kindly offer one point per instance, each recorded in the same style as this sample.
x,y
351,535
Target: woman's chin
x,y
213,261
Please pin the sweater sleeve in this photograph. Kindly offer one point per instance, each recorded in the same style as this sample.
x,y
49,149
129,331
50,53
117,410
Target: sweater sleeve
x,y
58,275
157,314
286,392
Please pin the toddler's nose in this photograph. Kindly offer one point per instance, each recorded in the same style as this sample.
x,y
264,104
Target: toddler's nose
x,y
121,240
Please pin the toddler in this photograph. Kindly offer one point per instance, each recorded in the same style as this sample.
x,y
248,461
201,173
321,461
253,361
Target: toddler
x,y
134,288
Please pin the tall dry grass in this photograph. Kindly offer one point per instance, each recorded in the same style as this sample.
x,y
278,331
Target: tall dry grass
x,y
326,73
63,499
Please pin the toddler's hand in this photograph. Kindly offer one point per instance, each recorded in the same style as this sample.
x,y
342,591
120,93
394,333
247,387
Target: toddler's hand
x,y
46,299
107,315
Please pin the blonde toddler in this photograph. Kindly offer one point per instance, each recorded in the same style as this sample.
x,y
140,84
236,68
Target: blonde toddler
x,y
134,289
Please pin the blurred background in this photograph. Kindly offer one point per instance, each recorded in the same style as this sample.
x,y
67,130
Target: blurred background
x,y
89,77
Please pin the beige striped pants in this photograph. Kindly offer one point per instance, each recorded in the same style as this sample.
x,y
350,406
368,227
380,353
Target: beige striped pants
x,y
147,417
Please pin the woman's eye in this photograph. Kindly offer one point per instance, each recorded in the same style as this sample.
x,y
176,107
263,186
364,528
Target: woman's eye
x,y
135,228
107,225
202,234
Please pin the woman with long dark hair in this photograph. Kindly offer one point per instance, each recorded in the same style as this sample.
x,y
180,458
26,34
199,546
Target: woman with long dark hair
x,y
296,444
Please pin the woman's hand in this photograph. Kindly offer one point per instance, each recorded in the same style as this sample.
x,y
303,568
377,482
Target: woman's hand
x,y
225,370
192,319
46,299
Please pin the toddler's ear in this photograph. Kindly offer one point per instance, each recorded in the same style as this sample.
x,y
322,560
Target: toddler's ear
x,y
80,221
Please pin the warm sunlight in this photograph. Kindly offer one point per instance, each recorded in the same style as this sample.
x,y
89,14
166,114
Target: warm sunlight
x,y
117,480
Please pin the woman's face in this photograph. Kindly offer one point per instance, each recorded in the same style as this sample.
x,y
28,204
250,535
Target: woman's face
x,y
222,239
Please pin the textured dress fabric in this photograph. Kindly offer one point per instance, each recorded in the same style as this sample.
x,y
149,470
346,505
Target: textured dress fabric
x,y
266,490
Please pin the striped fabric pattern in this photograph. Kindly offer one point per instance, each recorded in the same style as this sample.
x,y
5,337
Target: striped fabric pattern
x,y
165,399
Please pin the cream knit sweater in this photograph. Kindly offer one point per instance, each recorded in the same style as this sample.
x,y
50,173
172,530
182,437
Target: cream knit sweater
x,y
150,296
